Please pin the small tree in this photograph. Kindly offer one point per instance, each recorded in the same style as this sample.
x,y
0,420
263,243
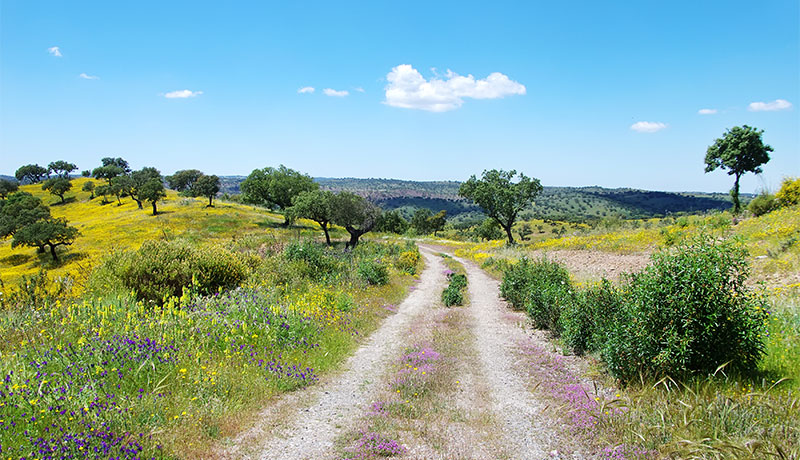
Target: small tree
x,y
86,173
739,151
207,186
489,230
30,173
436,222
88,186
499,197
7,187
420,221
183,180
19,210
118,162
152,191
392,221
107,173
317,206
57,186
138,179
276,188
357,215
104,191
47,232
121,186
61,168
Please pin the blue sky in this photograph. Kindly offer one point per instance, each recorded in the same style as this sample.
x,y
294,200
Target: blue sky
x,y
556,91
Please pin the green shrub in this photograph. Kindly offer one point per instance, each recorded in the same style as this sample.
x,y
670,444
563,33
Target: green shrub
x,y
307,259
458,281
407,261
541,287
162,269
762,204
688,312
373,272
586,320
452,296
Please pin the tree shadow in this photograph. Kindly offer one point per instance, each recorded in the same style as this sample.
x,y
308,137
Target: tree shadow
x,y
271,224
67,200
16,259
65,257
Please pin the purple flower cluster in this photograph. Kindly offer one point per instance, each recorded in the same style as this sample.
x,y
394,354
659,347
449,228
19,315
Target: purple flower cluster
x,y
372,445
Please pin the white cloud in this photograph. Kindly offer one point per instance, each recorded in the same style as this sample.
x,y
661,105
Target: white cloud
x,y
707,111
89,77
360,89
182,94
648,126
306,90
334,93
408,89
55,51
777,104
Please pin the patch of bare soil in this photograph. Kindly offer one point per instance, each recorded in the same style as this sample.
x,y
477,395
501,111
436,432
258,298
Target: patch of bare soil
x,y
589,265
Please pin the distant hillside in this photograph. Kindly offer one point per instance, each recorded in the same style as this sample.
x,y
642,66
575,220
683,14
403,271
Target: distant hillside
x,y
558,203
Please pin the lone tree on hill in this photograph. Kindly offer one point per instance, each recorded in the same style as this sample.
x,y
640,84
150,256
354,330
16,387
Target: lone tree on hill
x,y
61,168
57,186
30,174
152,191
276,188
739,151
500,198
88,186
207,186
138,179
7,187
47,232
183,180
357,215
317,206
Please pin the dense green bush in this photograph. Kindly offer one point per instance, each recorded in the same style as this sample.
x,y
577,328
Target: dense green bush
x,y
373,272
309,260
542,287
161,269
453,294
688,312
586,320
762,204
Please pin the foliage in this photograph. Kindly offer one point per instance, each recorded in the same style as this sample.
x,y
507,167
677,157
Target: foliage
x,y
163,269
276,188
453,294
408,261
57,186
586,320
762,204
207,186
739,150
61,168
88,186
393,222
420,221
489,230
183,180
315,205
107,172
373,272
30,174
499,197
789,193
138,180
7,187
152,189
46,233
437,221
314,262
357,215
688,312
20,210
542,287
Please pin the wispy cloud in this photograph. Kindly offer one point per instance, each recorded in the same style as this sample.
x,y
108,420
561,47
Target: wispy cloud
x,y
335,93
54,51
182,94
777,104
707,111
648,126
89,77
306,90
359,89
408,89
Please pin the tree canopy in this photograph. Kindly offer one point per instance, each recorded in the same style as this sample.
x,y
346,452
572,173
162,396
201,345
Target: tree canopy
x,y
19,210
739,150
499,197
276,188
61,168
30,173
183,180
357,215
138,179
57,186
47,232
153,189
107,172
207,186
315,205
7,187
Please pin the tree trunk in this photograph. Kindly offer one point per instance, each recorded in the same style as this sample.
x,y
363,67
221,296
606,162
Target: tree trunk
x,y
139,203
735,195
62,198
210,197
354,235
155,211
508,233
324,226
53,252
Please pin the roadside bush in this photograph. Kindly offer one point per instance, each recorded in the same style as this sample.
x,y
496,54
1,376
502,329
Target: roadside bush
x,y
688,312
542,288
762,204
585,321
408,261
789,193
161,269
515,284
453,294
309,260
373,272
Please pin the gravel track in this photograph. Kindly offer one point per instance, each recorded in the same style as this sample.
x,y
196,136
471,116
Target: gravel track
x,y
304,424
